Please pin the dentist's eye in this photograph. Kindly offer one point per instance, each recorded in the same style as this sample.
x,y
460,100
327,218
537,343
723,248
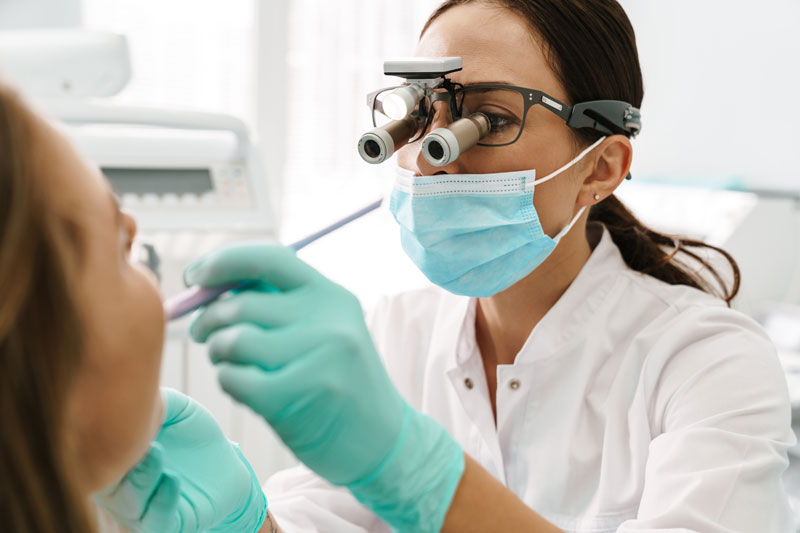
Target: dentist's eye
x,y
499,123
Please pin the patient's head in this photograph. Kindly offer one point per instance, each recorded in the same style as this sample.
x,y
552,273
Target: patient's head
x,y
81,328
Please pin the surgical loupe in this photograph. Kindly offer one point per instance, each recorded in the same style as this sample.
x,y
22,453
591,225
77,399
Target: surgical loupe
x,y
484,114
402,105
378,145
443,146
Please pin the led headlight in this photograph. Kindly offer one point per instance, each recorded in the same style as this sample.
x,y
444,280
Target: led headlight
x,y
401,102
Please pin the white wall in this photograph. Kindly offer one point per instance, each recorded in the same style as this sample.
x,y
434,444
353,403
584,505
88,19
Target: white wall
x,y
722,82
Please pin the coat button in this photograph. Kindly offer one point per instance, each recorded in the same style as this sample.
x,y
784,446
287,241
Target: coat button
x,y
468,383
514,384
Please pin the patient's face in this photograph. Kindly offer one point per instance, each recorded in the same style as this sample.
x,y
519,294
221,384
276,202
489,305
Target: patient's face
x,y
114,409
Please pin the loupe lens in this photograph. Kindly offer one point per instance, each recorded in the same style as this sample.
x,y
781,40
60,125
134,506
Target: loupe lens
x,y
435,150
372,149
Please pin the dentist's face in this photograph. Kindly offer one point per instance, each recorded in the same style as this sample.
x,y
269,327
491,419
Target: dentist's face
x,y
497,46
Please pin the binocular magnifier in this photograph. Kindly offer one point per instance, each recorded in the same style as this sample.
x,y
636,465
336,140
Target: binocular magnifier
x,y
402,115
405,121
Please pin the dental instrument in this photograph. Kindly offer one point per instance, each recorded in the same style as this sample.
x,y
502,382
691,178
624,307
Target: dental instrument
x,y
195,297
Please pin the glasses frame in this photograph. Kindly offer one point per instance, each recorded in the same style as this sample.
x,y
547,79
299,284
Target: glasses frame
x,y
593,114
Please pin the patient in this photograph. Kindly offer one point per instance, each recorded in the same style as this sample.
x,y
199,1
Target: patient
x,y
81,337
79,382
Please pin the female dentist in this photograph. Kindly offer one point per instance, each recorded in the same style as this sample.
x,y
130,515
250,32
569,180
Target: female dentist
x,y
576,374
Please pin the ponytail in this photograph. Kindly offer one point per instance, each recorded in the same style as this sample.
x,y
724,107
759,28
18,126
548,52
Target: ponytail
x,y
644,250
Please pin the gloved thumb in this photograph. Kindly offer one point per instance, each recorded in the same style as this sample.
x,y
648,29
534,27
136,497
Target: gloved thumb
x,y
175,405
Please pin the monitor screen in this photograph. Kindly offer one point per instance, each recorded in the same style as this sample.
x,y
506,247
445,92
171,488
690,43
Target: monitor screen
x,y
160,181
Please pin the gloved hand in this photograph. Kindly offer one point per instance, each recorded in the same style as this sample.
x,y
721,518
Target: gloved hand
x,y
295,348
192,479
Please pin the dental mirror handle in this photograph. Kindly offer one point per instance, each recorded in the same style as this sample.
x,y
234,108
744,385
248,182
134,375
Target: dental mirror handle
x,y
195,297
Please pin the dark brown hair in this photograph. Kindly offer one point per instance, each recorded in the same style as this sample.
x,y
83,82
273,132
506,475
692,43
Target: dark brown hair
x,y
40,341
591,47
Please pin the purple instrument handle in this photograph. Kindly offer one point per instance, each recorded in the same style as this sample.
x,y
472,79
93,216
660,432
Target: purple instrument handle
x,y
195,297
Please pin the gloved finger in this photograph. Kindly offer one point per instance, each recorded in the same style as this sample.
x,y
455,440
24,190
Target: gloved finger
x,y
162,509
129,499
189,515
266,310
253,345
266,392
269,392
277,266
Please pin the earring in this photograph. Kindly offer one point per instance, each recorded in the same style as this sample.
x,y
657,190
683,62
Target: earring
x,y
596,196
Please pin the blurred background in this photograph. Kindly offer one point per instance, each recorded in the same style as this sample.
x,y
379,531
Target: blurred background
x,y
220,121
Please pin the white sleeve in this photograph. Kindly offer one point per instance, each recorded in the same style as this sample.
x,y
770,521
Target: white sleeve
x,y
303,502
721,443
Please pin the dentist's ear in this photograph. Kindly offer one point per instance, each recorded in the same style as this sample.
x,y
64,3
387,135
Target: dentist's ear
x,y
605,169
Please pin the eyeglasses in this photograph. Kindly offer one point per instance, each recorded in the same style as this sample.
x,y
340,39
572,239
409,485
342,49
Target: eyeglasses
x,y
506,107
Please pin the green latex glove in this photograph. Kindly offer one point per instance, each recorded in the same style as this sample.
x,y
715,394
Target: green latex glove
x,y
295,348
192,479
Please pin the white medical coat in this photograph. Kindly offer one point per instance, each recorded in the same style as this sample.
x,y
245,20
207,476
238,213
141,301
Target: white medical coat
x,y
634,405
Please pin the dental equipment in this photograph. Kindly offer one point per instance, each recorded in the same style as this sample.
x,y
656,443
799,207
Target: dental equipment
x,y
69,64
175,170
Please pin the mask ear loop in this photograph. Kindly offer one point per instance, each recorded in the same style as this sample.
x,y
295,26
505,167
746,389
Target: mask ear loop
x,y
555,173
571,163
564,231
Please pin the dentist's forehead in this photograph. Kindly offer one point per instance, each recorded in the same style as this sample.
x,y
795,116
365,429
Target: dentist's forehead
x,y
495,43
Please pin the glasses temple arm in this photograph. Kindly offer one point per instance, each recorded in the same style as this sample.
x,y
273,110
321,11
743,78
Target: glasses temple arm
x,y
609,117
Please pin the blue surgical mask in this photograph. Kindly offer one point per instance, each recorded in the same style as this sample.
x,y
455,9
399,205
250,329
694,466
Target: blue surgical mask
x,y
474,234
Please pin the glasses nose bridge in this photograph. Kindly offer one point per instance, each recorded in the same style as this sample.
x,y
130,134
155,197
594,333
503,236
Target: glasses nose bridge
x,y
440,105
